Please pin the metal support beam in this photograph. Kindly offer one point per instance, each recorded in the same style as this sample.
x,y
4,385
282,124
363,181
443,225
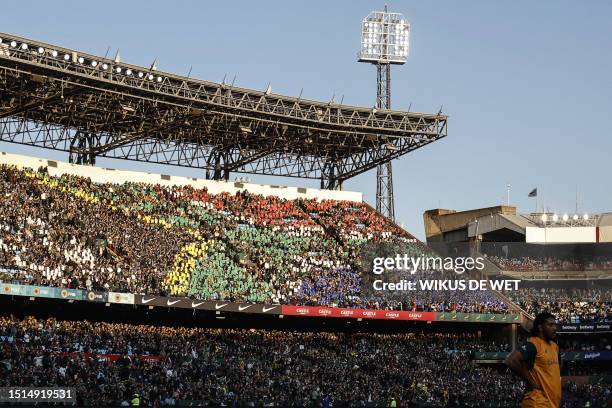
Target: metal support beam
x,y
329,177
82,148
40,103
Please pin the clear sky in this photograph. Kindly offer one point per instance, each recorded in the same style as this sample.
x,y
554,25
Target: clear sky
x,y
527,84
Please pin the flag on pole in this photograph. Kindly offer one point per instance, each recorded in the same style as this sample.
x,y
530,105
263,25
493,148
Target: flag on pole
x,y
533,193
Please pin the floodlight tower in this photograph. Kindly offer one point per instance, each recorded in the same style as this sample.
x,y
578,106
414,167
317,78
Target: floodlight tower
x,y
384,41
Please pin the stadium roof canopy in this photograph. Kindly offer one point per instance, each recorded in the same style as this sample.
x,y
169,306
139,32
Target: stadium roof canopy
x,y
63,99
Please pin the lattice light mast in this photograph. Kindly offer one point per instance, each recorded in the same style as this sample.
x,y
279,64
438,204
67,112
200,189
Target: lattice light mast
x,y
384,41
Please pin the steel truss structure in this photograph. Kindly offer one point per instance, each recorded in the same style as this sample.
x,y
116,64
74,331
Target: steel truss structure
x,y
88,106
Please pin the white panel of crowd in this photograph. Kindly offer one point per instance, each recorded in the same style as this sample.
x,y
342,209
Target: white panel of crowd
x,y
560,234
534,234
104,175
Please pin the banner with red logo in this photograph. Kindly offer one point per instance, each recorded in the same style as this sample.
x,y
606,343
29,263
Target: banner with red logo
x,y
315,311
108,357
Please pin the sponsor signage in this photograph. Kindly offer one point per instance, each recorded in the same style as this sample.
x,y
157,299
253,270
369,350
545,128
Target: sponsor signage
x,y
584,328
224,306
211,305
356,313
490,355
41,291
478,317
122,298
69,294
109,357
565,356
10,289
92,296
587,356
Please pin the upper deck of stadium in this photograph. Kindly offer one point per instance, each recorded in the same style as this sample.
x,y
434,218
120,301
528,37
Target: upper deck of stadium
x,y
504,224
527,246
64,99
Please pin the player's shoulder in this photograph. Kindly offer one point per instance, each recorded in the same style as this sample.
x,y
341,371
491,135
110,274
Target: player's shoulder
x,y
529,346
542,345
554,345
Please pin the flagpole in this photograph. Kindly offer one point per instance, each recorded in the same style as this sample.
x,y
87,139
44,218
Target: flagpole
x,y
543,210
576,212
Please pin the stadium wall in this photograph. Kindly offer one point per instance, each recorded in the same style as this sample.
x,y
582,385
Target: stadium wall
x,y
106,175
445,225
561,234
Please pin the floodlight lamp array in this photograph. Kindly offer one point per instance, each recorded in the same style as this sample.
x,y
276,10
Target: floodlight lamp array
x,y
385,38
14,46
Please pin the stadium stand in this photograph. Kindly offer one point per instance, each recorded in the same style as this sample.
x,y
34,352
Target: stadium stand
x,y
110,362
246,366
527,264
69,231
65,230
177,240
574,306
67,226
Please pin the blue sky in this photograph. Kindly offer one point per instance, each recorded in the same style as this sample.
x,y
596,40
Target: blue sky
x,y
527,85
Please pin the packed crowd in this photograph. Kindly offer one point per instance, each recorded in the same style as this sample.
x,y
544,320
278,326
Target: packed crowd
x,y
529,264
176,240
584,343
570,306
586,395
108,363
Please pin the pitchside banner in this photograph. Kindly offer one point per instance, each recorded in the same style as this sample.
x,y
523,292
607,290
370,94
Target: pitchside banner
x,y
588,355
109,357
41,291
122,298
478,317
213,305
70,294
93,296
10,289
584,328
314,311
566,356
